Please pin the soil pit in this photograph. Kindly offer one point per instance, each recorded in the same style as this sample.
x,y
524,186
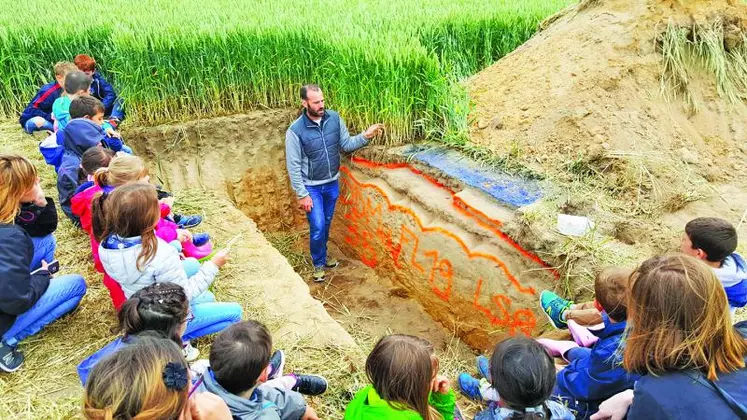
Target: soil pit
x,y
418,256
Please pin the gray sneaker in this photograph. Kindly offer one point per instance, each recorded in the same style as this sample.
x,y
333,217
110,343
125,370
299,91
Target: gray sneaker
x,y
10,358
318,276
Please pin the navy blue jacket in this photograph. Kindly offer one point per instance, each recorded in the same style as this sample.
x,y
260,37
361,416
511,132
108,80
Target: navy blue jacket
x,y
19,290
312,151
41,105
587,382
102,90
80,134
675,395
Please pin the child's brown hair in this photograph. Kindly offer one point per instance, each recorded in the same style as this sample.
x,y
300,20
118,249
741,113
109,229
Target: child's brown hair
x,y
121,170
401,368
610,288
680,320
130,210
93,159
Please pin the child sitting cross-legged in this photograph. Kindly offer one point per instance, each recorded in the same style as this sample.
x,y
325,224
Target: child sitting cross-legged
x,y
403,371
522,376
248,377
163,309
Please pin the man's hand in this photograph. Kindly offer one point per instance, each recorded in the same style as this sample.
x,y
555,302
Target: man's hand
x,y
310,414
373,131
306,204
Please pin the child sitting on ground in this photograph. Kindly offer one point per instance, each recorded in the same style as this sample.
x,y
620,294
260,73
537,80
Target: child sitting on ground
x,y
147,380
403,371
75,83
131,253
38,113
38,217
82,133
241,372
595,374
163,308
523,377
713,241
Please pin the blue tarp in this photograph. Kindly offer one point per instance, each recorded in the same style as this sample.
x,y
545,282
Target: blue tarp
x,y
509,189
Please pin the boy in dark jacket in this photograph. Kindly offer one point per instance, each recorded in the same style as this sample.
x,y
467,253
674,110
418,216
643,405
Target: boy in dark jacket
x,y
82,132
239,368
38,113
596,374
101,89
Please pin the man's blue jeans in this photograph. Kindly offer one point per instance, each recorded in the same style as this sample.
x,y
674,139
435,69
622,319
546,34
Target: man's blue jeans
x,y
62,296
44,247
324,198
31,126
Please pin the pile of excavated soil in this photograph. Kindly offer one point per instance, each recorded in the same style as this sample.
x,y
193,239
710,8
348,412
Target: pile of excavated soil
x,y
583,105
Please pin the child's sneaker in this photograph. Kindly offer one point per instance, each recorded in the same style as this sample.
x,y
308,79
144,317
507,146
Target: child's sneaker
x,y
10,358
318,276
310,384
483,366
469,386
332,263
277,363
190,353
200,239
554,306
187,222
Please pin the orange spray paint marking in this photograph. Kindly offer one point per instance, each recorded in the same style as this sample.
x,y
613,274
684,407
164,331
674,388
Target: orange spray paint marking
x,y
445,271
480,218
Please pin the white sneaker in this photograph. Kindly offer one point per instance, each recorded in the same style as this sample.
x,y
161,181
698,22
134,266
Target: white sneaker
x,y
190,353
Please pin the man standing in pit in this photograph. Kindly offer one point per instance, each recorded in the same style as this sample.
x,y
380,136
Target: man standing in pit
x,y
312,155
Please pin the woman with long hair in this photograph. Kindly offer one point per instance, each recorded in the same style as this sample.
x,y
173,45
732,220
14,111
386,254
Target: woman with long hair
x,y
28,300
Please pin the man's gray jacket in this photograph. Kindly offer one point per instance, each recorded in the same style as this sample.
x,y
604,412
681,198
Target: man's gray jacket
x,y
312,151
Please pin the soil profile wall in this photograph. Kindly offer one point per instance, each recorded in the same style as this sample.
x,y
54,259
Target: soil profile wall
x,y
445,247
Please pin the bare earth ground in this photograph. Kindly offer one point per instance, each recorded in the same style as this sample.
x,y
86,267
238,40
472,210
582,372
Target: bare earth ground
x,y
583,105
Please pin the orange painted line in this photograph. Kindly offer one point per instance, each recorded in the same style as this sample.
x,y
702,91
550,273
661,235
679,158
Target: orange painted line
x,y
465,209
472,255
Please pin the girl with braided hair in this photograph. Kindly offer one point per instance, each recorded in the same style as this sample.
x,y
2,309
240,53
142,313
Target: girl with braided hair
x,y
148,380
161,309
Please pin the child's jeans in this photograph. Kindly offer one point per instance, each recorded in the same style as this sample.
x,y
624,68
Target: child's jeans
x,y
324,198
44,125
62,296
44,247
210,316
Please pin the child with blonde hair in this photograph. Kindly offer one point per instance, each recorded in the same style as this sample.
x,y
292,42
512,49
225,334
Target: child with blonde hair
x,y
38,113
28,300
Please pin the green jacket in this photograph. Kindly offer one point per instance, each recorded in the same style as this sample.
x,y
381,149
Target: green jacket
x,y
367,405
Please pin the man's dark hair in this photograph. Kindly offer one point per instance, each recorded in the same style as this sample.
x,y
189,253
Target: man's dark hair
x,y
306,88
239,355
716,237
75,81
85,105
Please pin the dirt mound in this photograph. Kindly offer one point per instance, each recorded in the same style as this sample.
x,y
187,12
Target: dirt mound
x,y
632,108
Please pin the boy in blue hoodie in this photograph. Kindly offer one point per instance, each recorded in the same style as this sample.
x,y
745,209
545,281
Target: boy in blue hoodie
x,y
713,241
238,372
38,113
83,132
